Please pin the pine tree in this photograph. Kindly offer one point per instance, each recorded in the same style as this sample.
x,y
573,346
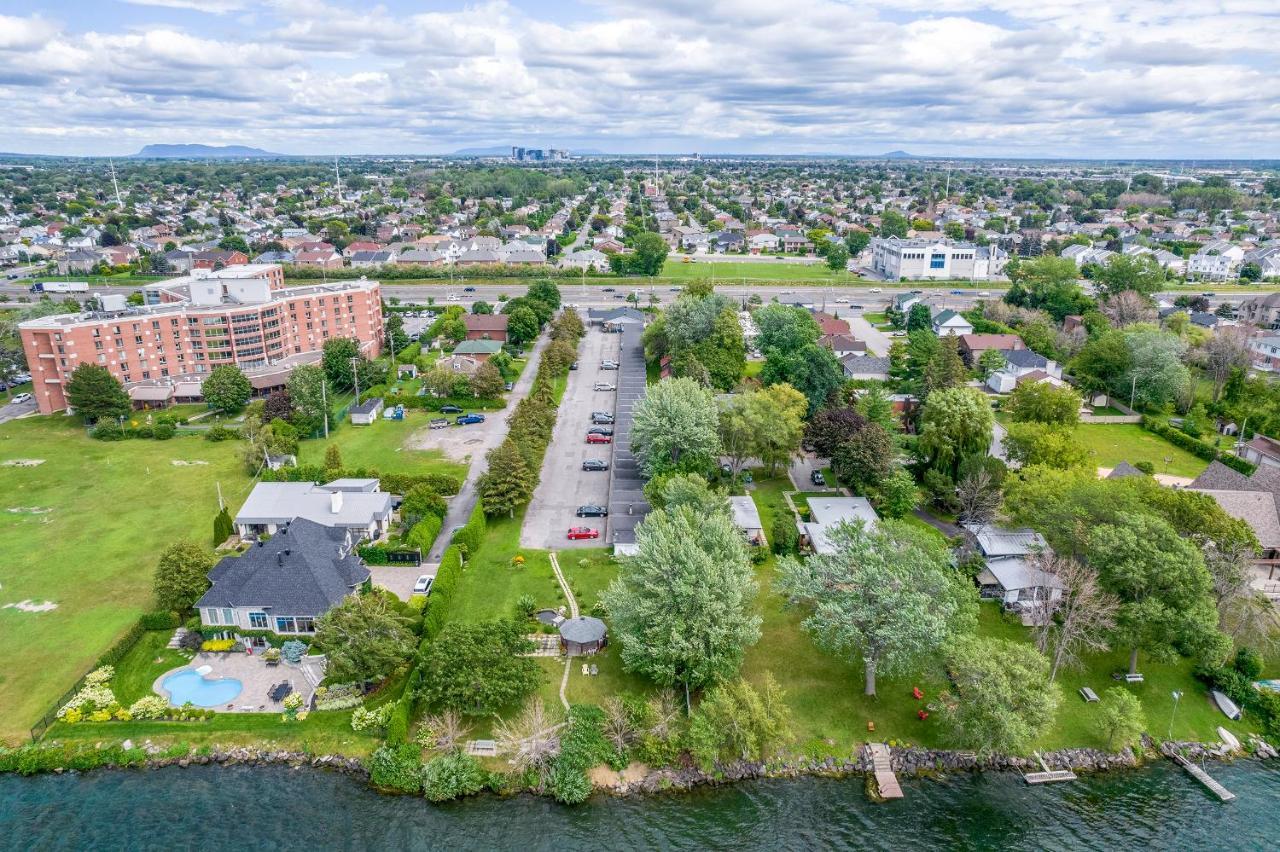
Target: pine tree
x,y
95,394
222,527
332,458
508,483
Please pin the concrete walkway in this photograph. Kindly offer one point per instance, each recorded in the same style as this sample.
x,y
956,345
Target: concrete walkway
x,y
462,504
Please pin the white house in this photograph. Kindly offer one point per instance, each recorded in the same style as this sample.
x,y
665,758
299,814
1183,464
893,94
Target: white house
x,y
585,259
1010,574
358,505
948,323
826,512
747,518
1023,365
1217,261
920,259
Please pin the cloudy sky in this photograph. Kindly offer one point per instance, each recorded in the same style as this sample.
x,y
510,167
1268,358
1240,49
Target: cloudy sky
x,y
1121,78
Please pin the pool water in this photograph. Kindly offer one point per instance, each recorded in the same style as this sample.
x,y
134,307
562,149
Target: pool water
x,y
188,686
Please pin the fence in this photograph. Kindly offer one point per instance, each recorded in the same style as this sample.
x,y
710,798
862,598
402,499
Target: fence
x,y
110,657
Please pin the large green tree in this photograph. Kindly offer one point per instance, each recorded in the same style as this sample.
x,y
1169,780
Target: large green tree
x,y
363,638
887,596
95,394
479,669
1000,700
954,423
683,608
1139,274
649,252
182,576
1048,283
1041,402
676,426
309,398
507,483
227,388
766,424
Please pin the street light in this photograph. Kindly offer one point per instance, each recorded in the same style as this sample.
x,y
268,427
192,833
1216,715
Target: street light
x,y
1176,696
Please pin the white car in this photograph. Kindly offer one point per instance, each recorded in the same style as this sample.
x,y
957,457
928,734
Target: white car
x,y
842,300
605,386
22,397
875,290
423,586
985,293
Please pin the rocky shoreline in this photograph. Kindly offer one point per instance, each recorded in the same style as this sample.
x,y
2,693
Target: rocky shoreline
x,y
909,761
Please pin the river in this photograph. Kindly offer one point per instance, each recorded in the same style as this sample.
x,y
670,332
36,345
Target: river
x,y
279,808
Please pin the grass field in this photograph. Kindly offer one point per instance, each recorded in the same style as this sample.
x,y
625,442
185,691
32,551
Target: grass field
x,y
729,269
380,446
1113,443
82,531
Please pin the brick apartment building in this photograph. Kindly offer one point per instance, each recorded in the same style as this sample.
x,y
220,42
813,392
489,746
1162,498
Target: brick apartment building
x,y
204,322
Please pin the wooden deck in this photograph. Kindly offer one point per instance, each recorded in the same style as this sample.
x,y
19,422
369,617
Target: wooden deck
x,y
1203,777
886,781
1047,775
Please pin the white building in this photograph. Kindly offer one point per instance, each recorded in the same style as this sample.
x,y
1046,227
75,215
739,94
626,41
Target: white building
x,y
1217,261
917,260
826,512
358,505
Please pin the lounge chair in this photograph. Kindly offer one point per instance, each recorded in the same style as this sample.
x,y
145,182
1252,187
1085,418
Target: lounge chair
x,y
586,670
1088,694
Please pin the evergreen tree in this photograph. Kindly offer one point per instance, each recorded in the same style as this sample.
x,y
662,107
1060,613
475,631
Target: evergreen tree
x,y
332,457
223,527
96,394
508,483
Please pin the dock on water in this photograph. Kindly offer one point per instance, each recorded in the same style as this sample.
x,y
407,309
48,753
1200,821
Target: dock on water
x,y
886,781
1203,777
1047,775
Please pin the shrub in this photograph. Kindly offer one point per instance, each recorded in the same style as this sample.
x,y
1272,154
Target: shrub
x,y
217,646
365,719
582,746
397,768
143,432
191,641
451,776
107,432
398,720
1248,663
525,606
149,707
164,431
159,620
1146,467
293,650
221,433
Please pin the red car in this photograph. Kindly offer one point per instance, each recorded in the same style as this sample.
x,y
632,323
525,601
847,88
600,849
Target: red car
x,y
593,438
576,533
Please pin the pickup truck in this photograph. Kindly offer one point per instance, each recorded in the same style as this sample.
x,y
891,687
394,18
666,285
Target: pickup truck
x,y
467,419
440,423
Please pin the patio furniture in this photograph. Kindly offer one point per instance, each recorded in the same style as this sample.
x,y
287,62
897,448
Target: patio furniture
x,y
594,671
280,691
1088,694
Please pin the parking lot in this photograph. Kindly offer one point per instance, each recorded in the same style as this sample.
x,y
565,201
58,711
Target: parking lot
x,y
564,485
458,443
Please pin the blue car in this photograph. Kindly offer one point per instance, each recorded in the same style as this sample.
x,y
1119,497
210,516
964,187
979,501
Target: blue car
x,y
467,419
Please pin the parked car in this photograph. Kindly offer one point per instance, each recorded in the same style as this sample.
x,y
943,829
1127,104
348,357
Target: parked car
x,y
608,365
577,533
601,418
592,512
600,430
875,290
593,438
817,478
510,386
607,290
595,464
605,386
450,409
423,586
985,293
841,300
573,366
22,397
468,289
439,422
957,292
468,419
22,378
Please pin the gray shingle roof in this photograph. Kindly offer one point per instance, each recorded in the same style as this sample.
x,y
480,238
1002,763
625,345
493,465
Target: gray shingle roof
x,y
1025,358
1124,469
305,569
582,629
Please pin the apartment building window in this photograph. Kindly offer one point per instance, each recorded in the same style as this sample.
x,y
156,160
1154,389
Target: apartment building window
x,y
938,261
137,338
97,344
146,374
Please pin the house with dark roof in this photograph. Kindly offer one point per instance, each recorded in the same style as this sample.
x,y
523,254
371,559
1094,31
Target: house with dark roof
x,y
947,322
1124,469
285,583
486,326
1253,498
1019,364
867,367
1012,574
842,345
973,345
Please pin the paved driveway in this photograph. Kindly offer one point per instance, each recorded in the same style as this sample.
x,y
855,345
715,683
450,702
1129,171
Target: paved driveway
x,y
877,341
564,485
13,410
399,579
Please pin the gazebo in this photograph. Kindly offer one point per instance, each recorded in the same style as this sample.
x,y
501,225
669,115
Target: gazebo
x,y
582,635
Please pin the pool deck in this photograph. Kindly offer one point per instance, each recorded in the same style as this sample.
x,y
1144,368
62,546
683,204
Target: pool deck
x,y
253,673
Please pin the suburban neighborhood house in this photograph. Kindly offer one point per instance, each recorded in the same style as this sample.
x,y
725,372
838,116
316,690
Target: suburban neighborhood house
x,y
1023,365
746,517
358,506
827,512
285,583
199,324
486,326
1010,574
916,260
1254,499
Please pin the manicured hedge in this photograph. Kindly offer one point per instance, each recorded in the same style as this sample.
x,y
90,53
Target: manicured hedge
x,y
394,483
435,403
160,620
1195,446
442,592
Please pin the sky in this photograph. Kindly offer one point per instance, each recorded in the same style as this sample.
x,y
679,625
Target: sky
x,y
1017,78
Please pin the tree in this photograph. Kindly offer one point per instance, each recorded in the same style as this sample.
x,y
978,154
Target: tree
x,y
1226,350
223,527
306,392
522,325
896,494
856,242
227,388
182,576
1103,363
1080,620
766,424
1120,717
675,427
419,502
837,256
1140,274
1047,283
1041,402
336,361
1029,444
1158,373
487,382
683,608
1161,582
946,368
735,722
1128,308
478,668
364,639
649,253
875,405
919,318
813,370
333,457
508,482
546,291
673,490
954,423
95,394
234,243
481,307
893,224
1000,699
868,458
532,738
887,596
990,361
784,328
978,497
277,406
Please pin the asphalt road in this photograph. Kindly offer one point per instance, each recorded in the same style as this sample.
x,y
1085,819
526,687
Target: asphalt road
x,y
564,485
12,410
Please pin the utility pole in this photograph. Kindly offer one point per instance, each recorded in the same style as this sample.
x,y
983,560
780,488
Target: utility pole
x,y
115,183
355,375
1176,696
338,178
221,505
324,402
1133,390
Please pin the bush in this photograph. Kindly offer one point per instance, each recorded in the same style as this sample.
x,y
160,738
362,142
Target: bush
x,y
452,776
218,432
164,431
107,432
1248,663
1196,447
366,719
191,641
149,707
398,721
397,768
159,620
293,650
582,746
217,646
1146,467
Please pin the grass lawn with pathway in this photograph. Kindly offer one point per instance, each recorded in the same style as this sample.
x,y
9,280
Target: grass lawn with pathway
x,y
1112,443
89,523
380,446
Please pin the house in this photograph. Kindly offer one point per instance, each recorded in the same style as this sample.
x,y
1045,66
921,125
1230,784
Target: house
x,y
866,367
1254,499
218,259
464,364
973,345
79,261
479,350
793,242
366,412
588,259
358,505
1261,311
421,257
902,302
948,323
318,259
1216,261
367,259
1010,574
1265,352
826,513
486,326
1261,451
1020,364
842,345
615,319
747,519
762,241
284,584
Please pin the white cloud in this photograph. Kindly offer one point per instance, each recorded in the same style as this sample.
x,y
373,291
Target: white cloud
x,y
1069,77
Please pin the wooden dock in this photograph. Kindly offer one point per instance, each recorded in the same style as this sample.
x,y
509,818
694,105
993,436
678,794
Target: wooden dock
x,y
1203,777
886,781
1047,775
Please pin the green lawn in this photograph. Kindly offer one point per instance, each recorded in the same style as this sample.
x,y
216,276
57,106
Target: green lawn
x,y
1113,443
675,268
876,318
82,531
380,446
146,661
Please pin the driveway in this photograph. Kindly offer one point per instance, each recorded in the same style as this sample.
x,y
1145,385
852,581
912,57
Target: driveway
x,y
461,505
877,341
461,443
399,579
14,410
802,467
564,485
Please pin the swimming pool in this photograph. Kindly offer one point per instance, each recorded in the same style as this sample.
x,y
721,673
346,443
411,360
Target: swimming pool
x,y
188,685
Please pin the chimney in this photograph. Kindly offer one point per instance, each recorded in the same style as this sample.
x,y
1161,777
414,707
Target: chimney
x,y
335,502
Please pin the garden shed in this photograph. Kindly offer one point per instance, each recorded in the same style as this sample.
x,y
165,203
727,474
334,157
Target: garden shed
x,y
582,635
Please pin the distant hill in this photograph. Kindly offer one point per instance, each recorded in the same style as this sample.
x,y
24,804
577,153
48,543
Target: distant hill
x,y
201,152
898,155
